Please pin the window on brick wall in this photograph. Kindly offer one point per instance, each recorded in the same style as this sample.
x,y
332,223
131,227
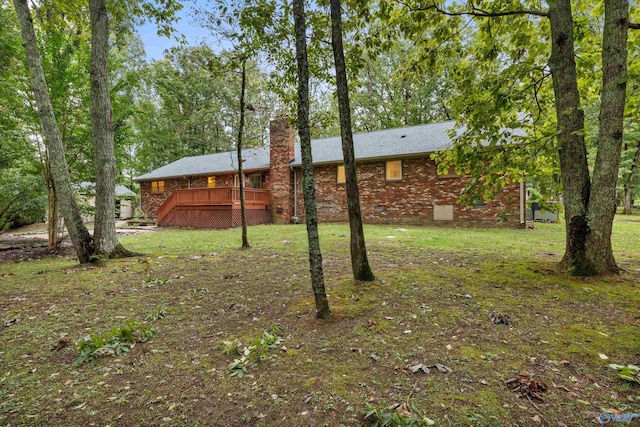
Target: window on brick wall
x,y
211,182
157,186
341,177
183,183
394,170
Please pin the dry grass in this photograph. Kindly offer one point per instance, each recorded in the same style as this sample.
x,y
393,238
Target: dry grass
x,y
431,304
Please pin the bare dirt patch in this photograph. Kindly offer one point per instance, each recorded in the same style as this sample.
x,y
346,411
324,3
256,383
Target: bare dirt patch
x,y
30,243
19,248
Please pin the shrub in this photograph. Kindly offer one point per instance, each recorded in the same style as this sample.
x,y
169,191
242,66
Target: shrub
x,y
113,343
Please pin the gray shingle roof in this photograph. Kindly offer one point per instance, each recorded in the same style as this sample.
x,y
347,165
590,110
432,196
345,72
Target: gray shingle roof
x,y
399,142
253,158
90,188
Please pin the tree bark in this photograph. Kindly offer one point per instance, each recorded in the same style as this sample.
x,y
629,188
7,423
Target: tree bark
x,y
243,213
359,262
308,178
78,233
102,130
602,204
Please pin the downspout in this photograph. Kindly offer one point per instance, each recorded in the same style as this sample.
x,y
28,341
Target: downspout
x,y
523,218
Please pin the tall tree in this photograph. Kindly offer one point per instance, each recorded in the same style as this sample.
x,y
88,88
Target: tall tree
x,y
359,261
229,22
243,213
104,235
308,177
78,233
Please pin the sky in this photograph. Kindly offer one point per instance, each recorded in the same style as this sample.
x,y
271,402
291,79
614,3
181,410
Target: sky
x,y
155,45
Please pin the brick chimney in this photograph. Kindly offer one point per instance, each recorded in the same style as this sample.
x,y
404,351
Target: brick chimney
x,y
281,139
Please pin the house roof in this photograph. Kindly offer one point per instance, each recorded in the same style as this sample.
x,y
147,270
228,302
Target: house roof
x,y
90,188
399,142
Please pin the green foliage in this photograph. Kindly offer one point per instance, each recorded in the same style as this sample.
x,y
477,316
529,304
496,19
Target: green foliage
x,y
14,112
255,353
536,196
113,343
156,281
499,89
629,372
157,313
188,106
391,417
22,198
392,91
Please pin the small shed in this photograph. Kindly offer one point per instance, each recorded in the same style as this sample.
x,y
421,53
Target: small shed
x,y
124,198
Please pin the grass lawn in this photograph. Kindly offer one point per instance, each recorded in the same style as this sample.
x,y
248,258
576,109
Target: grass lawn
x,y
431,304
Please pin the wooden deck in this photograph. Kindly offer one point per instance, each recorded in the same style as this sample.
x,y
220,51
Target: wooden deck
x,y
213,208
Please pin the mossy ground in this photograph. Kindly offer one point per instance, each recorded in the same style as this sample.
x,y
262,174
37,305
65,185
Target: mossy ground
x,y
431,302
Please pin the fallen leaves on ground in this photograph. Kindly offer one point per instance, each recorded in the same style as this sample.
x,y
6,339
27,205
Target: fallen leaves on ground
x,y
421,367
499,318
526,386
62,343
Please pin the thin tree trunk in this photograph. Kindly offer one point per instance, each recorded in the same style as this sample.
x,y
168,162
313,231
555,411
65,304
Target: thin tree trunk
x,y
102,129
52,206
628,186
73,220
602,204
52,215
243,213
359,262
308,178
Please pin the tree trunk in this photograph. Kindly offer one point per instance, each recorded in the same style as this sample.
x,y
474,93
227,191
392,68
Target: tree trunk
x,y
52,215
602,204
308,178
243,213
359,262
104,232
572,149
589,205
628,186
73,220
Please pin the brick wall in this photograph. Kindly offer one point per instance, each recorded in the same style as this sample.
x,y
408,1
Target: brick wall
x,y
150,202
280,176
410,200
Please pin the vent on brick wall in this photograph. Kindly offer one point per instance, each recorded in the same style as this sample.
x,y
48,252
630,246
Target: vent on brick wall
x,y
378,208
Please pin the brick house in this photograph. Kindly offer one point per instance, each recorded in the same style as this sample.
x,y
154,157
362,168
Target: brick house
x,y
398,183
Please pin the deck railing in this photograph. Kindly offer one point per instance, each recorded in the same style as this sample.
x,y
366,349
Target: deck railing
x,y
213,197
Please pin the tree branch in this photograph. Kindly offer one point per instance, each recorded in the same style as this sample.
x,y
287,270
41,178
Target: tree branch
x,y
634,25
475,11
